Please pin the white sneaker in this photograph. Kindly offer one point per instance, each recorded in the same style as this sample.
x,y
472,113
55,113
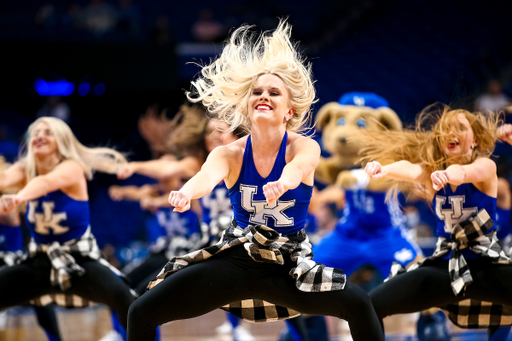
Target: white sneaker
x,y
112,336
224,328
242,334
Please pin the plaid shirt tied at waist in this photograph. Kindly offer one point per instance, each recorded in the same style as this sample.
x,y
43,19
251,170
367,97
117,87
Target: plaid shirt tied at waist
x,y
263,244
470,234
64,267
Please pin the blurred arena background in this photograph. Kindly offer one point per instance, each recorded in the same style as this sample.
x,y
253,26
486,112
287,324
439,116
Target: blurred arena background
x,y
100,64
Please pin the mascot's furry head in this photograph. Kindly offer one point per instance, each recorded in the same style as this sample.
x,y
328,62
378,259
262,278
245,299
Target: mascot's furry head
x,y
343,121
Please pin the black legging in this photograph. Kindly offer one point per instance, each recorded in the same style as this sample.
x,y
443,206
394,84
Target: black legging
x,y
31,279
429,286
48,320
232,275
140,276
46,316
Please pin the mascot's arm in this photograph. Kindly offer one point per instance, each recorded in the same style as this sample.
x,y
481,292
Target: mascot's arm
x,y
327,170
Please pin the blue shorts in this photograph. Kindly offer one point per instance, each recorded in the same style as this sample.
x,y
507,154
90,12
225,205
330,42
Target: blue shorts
x,y
348,254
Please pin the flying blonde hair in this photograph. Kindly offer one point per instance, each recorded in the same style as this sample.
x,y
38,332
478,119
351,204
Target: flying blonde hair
x,y
424,144
224,85
69,148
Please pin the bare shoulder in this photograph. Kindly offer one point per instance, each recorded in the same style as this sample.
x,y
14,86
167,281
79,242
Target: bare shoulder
x,y
233,151
485,161
70,166
297,142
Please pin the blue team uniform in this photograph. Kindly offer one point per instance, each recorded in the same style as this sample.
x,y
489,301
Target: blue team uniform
x,y
57,217
371,232
168,223
287,215
503,220
11,238
452,208
216,203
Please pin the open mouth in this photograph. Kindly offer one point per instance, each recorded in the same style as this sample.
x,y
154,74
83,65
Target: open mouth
x,y
263,107
38,144
453,144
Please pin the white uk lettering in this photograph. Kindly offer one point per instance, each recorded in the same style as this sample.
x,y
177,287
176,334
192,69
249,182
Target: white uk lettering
x,y
46,220
456,213
261,211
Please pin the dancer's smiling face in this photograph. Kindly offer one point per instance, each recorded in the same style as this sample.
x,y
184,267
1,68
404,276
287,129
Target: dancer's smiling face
x,y
269,100
42,140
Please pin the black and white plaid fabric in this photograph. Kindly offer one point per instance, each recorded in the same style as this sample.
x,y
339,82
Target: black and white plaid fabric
x,y
10,258
64,267
471,234
264,244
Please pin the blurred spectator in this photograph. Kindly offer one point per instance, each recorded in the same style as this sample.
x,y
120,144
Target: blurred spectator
x,y
99,17
206,29
72,18
128,18
54,107
494,100
8,148
46,17
160,32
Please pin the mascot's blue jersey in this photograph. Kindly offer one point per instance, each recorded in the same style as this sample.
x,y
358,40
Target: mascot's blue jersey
x,y
287,215
57,217
11,238
366,214
216,203
166,222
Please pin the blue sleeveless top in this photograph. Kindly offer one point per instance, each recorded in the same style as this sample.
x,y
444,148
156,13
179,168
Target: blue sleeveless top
x,y
57,217
453,207
216,203
166,222
287,215
503,220
366,214
11,238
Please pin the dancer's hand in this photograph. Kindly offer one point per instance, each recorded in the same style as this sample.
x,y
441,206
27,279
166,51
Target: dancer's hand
x,y
273,190
374,170
124,171
505,133
180,201
439,179
8,202
116,193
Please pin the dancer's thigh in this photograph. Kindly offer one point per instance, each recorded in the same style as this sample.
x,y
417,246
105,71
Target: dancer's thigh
x,y
413,291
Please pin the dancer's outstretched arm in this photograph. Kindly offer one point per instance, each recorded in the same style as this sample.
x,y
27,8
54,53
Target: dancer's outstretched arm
x,y
14,176
214,170
400,170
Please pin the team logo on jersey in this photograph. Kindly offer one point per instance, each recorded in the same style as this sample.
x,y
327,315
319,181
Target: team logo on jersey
x,y
217,203
48,220
455,214
172,222
261,211
363,202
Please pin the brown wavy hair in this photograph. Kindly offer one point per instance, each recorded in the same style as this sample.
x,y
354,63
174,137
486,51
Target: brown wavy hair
x,y
423,143
188,132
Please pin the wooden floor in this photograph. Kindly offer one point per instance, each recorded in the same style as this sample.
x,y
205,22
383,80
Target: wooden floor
x,y
92,324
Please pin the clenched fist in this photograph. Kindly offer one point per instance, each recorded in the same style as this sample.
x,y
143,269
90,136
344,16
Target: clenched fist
x,y
180,201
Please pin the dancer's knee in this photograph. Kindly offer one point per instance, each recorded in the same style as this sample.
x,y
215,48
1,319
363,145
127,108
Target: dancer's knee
x,y
139,313
378,305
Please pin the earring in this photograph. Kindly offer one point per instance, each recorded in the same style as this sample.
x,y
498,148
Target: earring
x,y
287,119
472,146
